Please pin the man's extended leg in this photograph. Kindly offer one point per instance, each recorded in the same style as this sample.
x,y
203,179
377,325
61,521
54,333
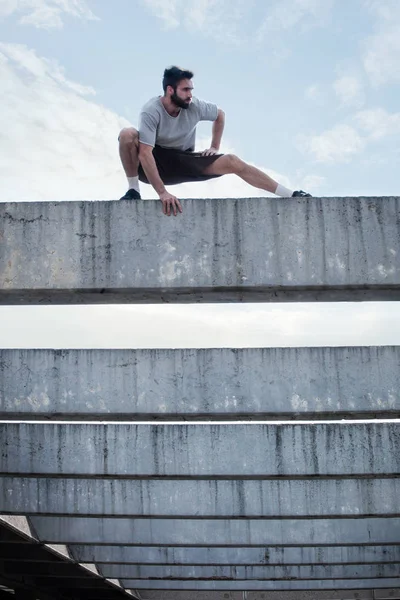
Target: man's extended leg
x,y
232,164
129,154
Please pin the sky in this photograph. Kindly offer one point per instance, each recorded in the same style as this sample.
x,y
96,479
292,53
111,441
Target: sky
x,y
310,89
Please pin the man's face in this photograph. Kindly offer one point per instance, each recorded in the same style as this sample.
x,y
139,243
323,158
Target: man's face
x,y
183,95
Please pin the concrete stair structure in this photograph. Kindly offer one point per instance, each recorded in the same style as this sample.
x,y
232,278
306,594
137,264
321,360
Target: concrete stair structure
x,y
211,474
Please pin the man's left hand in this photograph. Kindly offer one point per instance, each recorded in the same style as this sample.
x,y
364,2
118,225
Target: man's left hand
x,y
210,151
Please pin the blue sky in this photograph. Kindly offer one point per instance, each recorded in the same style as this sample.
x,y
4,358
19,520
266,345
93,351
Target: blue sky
x,y
311,94
310,87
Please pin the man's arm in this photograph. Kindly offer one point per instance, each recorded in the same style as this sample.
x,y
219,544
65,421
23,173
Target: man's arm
x,y
148,163
217,131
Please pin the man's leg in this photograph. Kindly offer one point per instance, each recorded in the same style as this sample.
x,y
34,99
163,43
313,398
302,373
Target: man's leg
x,y
232,164
129,154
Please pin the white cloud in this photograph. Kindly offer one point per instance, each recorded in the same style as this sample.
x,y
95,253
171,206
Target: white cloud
x,y
168,12
288,14
337,145
45,14
7,7
221,19
284,19
385,10
341,143
39,68
378,123
55,143
313,183
349,90
315,93
382,56
228,20
381,53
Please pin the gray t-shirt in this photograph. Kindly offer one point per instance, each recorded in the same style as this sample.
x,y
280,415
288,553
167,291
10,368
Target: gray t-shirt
x,y
156,126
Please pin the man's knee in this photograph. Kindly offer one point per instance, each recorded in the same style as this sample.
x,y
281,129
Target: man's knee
x,y
234,163
128,135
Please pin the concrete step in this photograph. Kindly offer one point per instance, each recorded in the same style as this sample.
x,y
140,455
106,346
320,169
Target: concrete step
x,y
183,555
251,383
261,573
218,250
222,532
233,498
262,586
216,451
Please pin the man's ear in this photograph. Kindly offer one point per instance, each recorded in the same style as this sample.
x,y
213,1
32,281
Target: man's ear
x,y
170,90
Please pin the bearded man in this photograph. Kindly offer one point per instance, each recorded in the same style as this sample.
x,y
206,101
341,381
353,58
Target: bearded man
x,y
162,151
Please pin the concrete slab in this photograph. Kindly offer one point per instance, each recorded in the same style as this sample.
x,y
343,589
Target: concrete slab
x,y
216,383
184,555
228,450
206,450
249,249
334,594
250,573
221,532
200,498
199,595
382,594
155,584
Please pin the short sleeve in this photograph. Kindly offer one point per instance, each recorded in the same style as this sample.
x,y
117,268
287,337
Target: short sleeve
x,y
147,129
207,110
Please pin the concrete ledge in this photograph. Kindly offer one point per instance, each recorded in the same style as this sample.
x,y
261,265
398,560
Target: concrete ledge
x,y
216,383
200,498
184,555
201,451
257,249
262,585
222,532
334,594
261,573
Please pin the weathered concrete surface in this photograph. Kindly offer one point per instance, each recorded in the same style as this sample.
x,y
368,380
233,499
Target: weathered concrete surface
x,y
334,594
252,249
248,573
375,594
269,382
313,584
210,532
200,498
176,555
204,450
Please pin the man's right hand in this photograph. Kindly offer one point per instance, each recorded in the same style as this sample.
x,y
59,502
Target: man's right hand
x,y
168,201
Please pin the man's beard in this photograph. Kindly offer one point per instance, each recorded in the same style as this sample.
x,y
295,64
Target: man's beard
x,y
179,102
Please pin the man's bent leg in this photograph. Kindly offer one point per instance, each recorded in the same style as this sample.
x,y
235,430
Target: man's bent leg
x,y
129,151
129,154
232,164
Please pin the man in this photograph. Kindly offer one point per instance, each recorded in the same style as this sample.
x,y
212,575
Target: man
x,y
162,151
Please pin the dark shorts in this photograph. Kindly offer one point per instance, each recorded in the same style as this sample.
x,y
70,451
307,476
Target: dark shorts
x,y
180,166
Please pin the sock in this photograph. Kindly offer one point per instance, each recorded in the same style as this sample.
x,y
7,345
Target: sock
x,y
282,191
133,183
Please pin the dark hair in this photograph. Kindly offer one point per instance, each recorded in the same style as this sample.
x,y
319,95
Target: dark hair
x,y
173,76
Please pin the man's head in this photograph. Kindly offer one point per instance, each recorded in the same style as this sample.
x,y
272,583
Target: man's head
x,y
177,86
